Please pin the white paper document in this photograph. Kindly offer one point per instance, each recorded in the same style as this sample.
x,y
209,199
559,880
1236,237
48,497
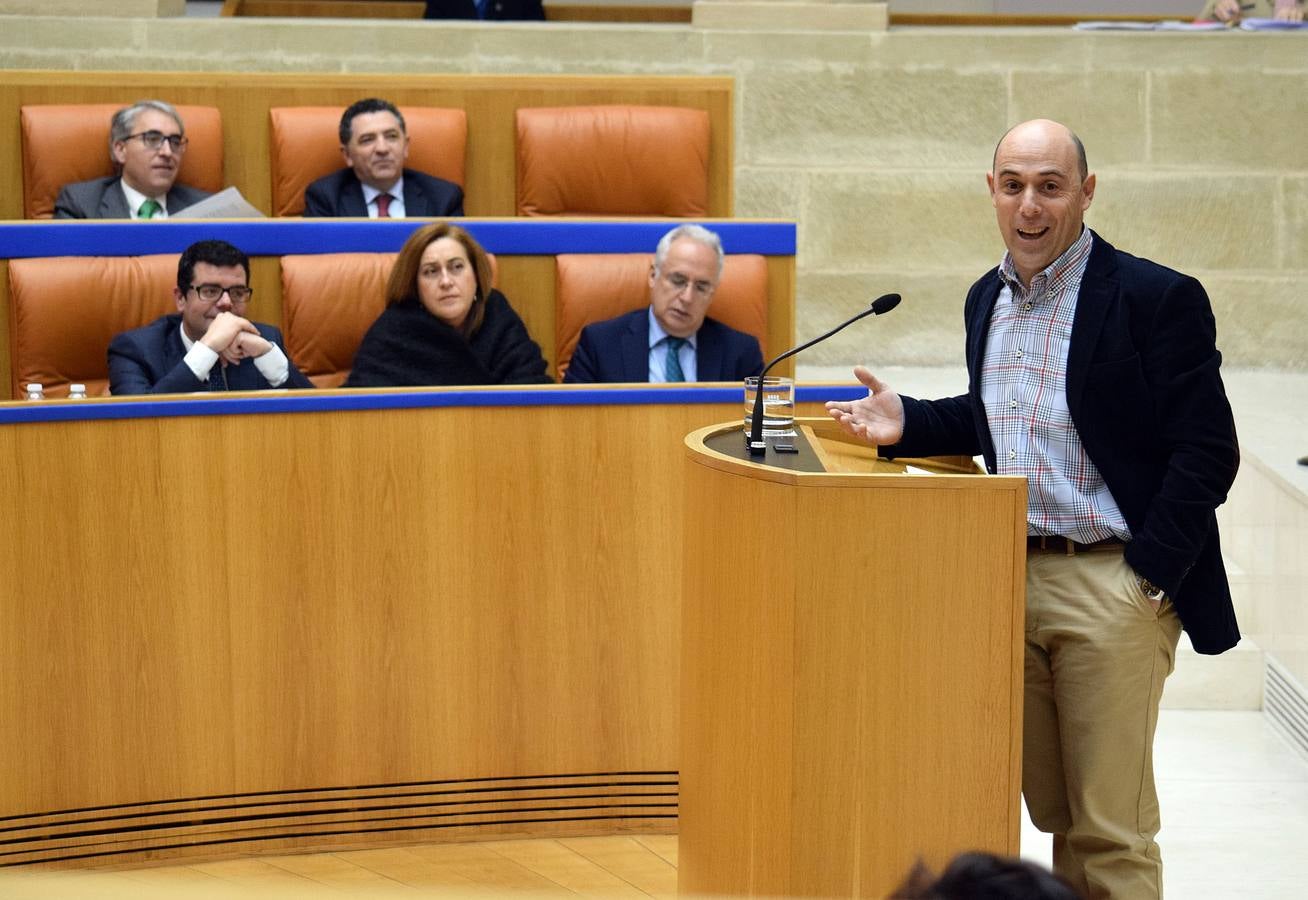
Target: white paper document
x,y
226,204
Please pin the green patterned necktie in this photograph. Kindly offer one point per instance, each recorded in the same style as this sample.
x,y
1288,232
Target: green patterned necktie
x,y
672,366
149,209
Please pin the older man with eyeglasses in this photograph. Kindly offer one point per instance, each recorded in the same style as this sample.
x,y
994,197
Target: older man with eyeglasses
x,y
208,344
146,144
673,339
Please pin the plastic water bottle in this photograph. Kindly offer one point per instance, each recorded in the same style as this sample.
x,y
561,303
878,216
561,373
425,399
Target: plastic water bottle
x,y
35,391
76,392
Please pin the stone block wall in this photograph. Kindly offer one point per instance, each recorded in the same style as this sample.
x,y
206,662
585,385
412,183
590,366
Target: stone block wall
x,y
877,144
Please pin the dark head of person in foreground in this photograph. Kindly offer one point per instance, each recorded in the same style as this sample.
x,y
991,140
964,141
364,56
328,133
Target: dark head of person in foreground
x,y
147,144
444,324
208,344
375,182
984,876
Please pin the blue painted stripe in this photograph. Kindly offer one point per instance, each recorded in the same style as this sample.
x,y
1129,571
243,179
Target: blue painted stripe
x,y
310,401
277,237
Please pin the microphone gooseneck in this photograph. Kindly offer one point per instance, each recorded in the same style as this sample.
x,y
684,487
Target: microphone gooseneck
x,y
757,446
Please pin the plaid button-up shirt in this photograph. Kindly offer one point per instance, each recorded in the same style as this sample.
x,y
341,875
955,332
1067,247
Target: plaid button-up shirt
x,y
1024,388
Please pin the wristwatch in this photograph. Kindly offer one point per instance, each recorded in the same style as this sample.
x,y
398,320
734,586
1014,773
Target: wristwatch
x,y
1154,593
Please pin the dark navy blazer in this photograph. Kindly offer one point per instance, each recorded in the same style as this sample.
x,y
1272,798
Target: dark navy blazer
x,y
149,361
618,350
341,195
1146,395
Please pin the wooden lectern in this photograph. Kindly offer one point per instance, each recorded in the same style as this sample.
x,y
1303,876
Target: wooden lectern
x,y
851,665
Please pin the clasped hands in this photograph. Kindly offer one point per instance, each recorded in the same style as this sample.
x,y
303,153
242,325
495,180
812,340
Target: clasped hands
x,y
234,339
877,418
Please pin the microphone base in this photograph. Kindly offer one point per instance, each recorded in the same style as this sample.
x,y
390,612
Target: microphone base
x,y
756,448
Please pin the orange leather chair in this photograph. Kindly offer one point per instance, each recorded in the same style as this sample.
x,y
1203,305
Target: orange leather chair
x,y
612,161
306,145
67,143
592,287
66,310
329,301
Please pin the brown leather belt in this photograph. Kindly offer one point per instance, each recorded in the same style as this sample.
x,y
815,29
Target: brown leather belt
x,y
1056,543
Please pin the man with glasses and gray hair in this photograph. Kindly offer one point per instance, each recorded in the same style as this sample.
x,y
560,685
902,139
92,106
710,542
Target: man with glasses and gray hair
x,y
672,339
208,344
146,144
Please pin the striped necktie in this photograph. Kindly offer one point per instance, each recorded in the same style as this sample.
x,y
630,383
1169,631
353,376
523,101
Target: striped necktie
x,y
672,366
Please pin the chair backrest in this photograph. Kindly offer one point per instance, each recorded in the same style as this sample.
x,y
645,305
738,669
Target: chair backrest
x,y
63,144
612,161
329,300
66,310
592,287
305,145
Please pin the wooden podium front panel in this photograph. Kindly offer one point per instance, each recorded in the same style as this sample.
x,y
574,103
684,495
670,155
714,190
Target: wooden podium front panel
x,y
852,679
737,671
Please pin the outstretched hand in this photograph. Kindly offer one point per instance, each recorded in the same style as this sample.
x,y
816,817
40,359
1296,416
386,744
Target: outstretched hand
x,y
878,418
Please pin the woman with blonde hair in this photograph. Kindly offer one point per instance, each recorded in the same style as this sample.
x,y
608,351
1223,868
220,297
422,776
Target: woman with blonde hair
x,y
443,323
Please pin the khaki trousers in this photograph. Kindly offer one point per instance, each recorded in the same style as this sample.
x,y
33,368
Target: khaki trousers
x,y
1097,654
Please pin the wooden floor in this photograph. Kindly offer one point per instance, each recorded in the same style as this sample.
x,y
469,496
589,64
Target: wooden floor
x,y
641,866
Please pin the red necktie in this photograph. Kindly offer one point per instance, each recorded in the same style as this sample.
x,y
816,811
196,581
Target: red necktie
x,y
383,206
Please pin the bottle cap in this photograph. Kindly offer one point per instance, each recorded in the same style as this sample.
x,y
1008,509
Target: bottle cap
x,y
35,387
77,389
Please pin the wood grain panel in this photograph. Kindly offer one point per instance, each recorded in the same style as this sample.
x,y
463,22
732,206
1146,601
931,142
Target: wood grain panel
x,y
852,676
1015,20
335,9
413,9
617,12
229,634
245,98
260,823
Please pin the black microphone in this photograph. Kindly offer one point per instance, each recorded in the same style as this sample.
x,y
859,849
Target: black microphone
x,y
754,440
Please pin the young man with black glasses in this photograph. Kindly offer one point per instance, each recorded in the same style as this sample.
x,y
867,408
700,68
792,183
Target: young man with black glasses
x,y
208,344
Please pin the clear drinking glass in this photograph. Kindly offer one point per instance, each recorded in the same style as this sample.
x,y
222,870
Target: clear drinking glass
x,y
778,405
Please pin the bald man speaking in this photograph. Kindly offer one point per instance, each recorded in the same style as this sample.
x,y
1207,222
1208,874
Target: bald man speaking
x,y
1094,374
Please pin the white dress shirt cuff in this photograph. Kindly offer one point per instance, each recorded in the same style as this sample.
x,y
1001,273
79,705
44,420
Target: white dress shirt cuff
x,y
274,366
200,359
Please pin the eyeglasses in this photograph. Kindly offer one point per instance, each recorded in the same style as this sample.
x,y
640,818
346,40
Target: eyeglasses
x,y
212,293
155,139
679,282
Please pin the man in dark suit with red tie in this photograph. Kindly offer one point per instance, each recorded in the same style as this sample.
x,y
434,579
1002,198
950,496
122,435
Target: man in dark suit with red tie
x,y
375,145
